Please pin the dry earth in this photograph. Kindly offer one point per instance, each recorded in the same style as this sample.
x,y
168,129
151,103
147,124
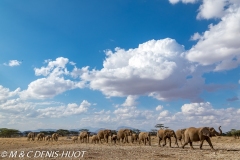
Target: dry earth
x,y
226,148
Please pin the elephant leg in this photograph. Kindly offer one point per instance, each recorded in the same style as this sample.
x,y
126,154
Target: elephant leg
x,y
201,143
164,139
180,141
126,139
191,145
210,143
106,139
170,142
185,143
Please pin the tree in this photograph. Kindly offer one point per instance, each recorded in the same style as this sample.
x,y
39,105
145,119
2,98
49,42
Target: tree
x,y
82,130
114,132
74,132
159,126
63,132
5,132
235,133
136,131
153,132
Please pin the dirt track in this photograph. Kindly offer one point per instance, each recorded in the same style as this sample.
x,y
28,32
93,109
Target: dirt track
x,y
226,148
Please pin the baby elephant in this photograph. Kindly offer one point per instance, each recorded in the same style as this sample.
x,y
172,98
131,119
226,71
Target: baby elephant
x,y
48,138
75,139
114,138
134,137
95,139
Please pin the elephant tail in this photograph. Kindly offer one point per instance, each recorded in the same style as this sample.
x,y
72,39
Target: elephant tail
x,y
220,131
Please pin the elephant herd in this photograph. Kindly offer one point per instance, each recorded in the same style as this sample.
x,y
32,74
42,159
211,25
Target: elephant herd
x,y
41,136
188,135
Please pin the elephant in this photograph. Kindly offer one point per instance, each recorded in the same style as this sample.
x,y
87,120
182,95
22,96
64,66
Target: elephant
x,y
134,137
48,138
114,138
55,136
95,139
40,136
180,135
193,134
84,136
123,134
104,134
164,134
31,136
75,139
144,137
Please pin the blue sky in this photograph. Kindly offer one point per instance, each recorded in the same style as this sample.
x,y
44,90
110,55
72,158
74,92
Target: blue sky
x,y
104,64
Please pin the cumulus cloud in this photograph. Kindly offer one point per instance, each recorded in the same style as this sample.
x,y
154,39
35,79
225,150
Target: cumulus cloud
x,y
13,63
195,36
197,109
155,68
159,108
15,106
54,82
5,93
183,1
163,114
130,101
61,111
221,40
200,114
211,9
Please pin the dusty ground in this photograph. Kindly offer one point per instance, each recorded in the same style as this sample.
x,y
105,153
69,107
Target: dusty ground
x,y
226,148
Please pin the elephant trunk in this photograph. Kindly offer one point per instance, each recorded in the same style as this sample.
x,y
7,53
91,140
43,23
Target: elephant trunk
x,y
149,139
176,139
220,131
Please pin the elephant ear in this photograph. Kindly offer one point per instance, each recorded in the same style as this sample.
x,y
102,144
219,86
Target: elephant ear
x,y
205,131
167,133
183,130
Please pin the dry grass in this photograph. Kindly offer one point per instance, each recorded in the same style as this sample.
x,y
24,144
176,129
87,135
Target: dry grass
x,y
226,148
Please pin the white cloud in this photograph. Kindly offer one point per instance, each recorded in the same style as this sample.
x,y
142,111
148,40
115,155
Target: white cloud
x,y
130,101
197,109
196,36
163,114
15,106
56,67
183,1
200,114
156,68
221,41
211,9
159,108
13,63
5,93
55,82
73,108
64,111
